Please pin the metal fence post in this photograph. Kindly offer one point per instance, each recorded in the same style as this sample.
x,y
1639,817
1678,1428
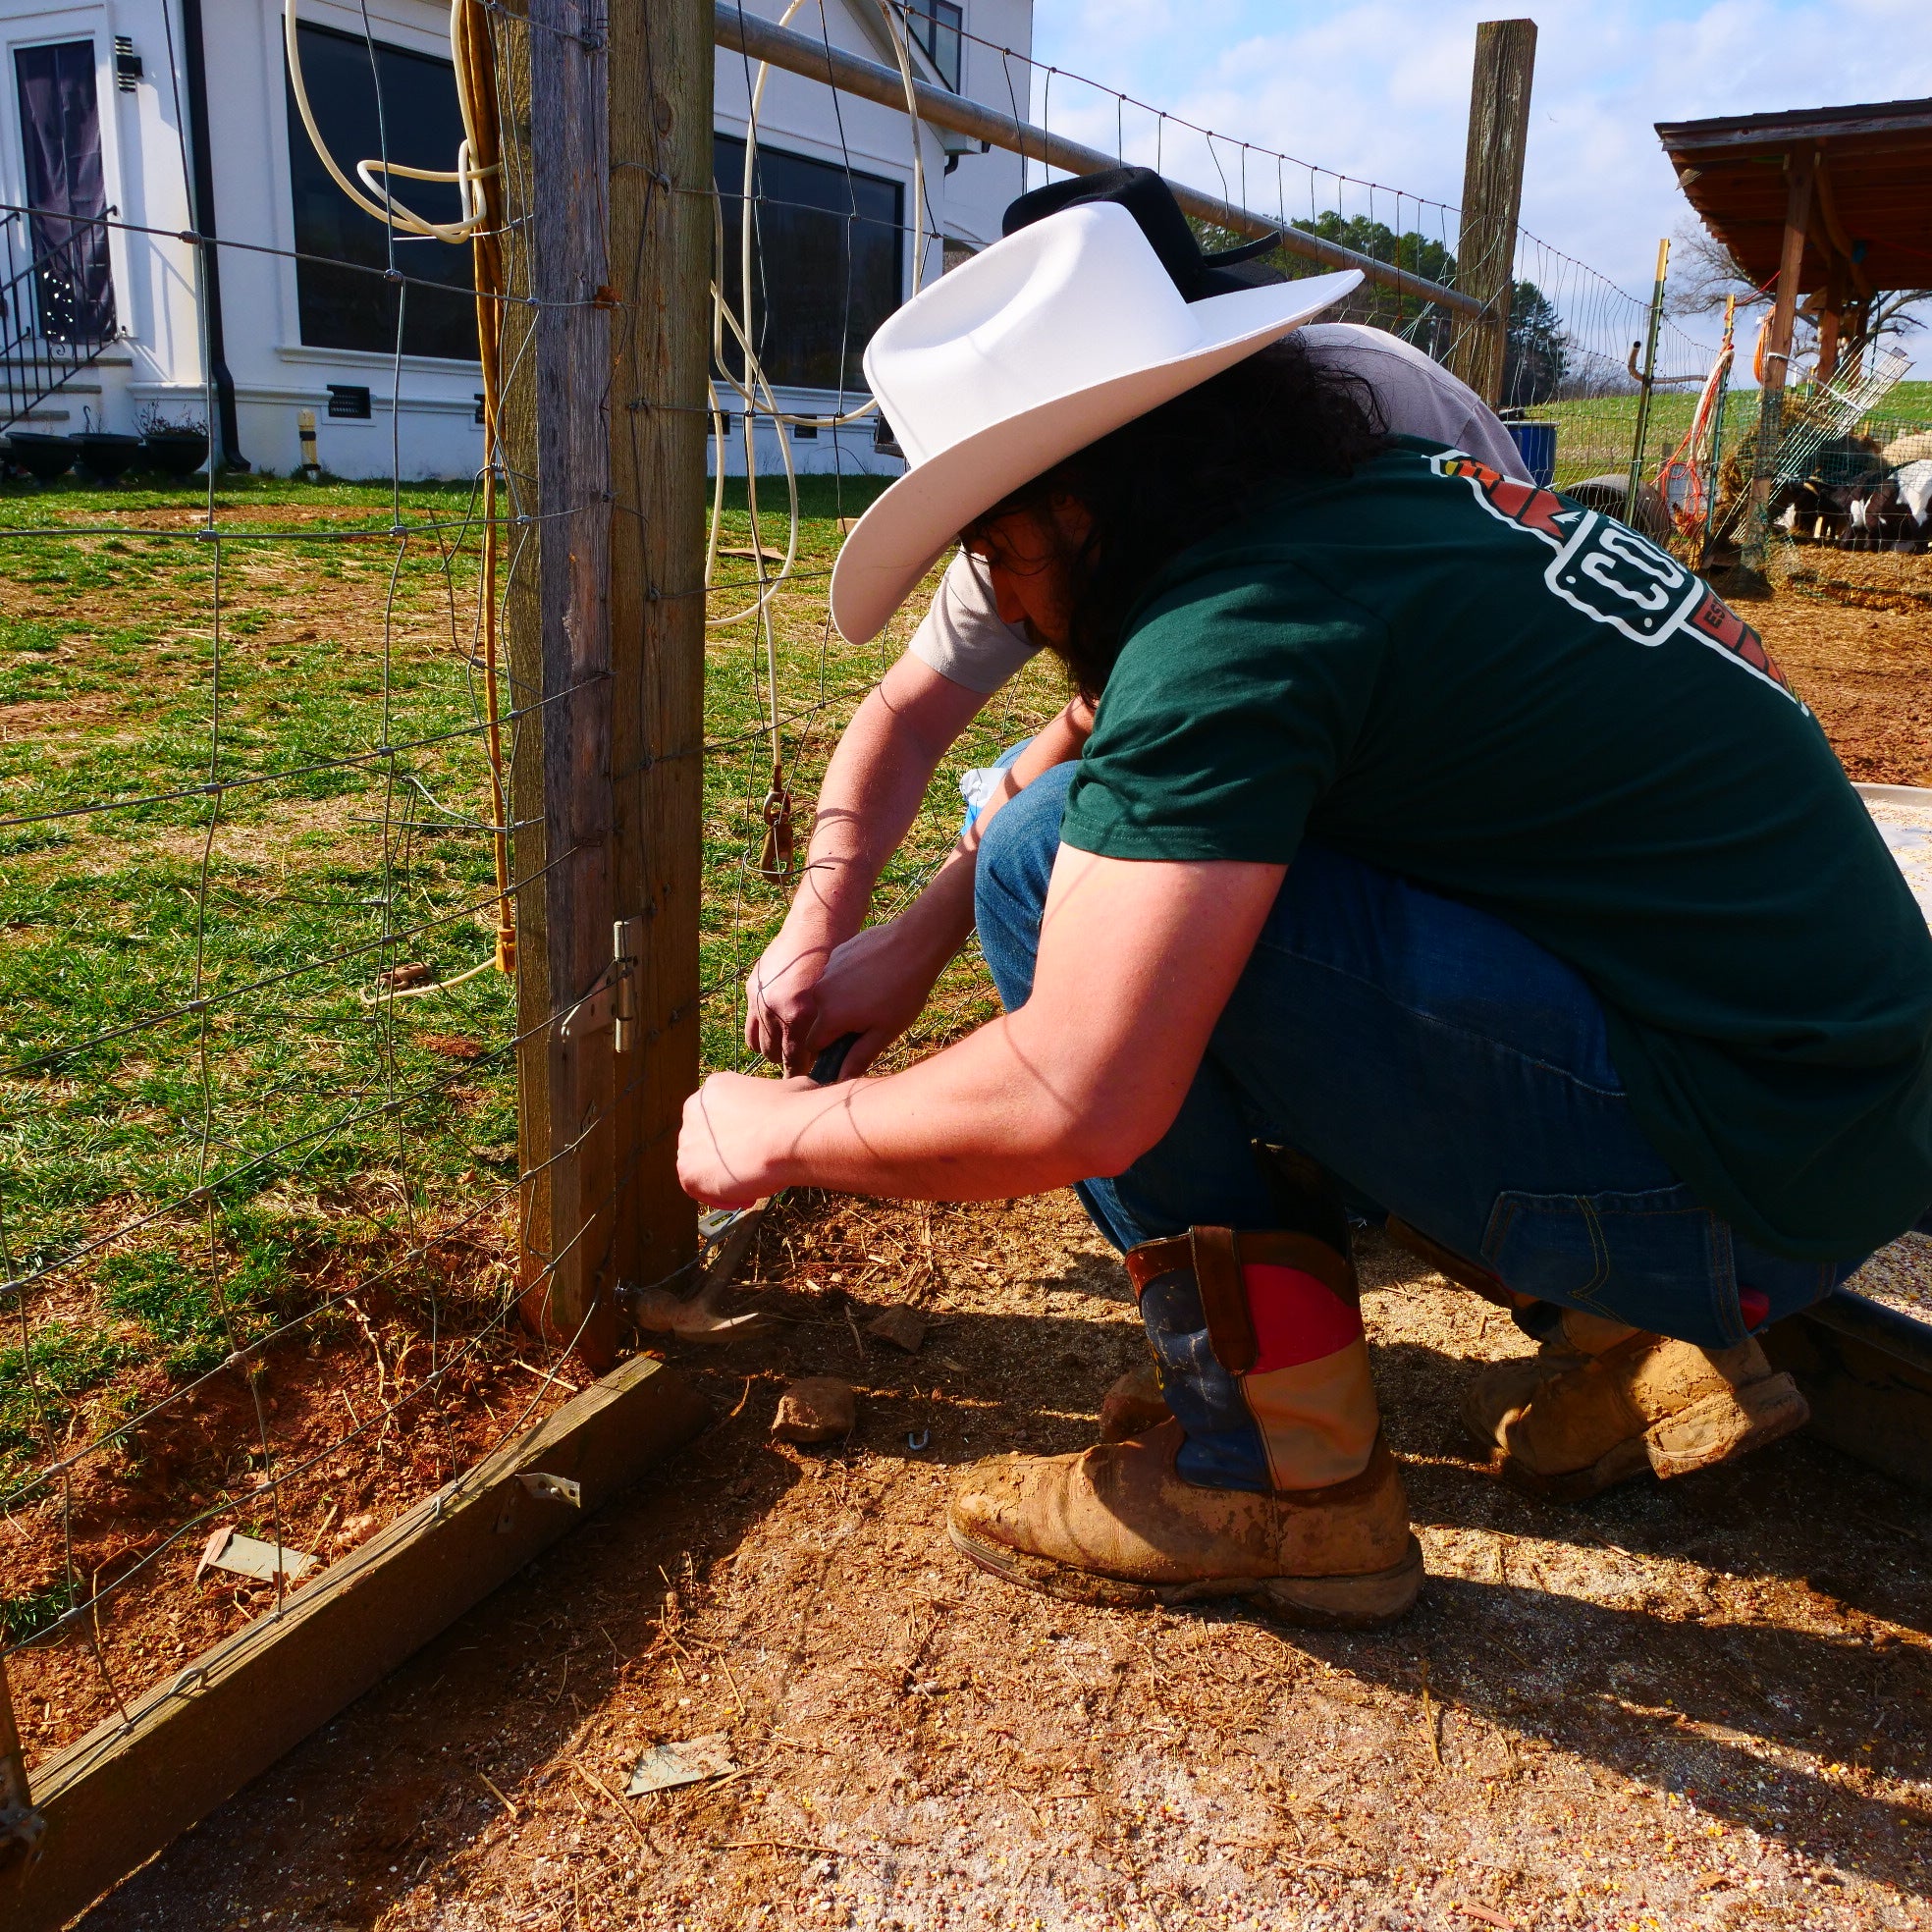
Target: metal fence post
x,y
1632,511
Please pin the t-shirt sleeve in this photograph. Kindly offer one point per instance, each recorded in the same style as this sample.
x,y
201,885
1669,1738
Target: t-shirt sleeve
x,y
1234,704
962,635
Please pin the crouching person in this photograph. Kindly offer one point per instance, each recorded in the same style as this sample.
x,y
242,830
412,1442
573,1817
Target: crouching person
x,y
1436,841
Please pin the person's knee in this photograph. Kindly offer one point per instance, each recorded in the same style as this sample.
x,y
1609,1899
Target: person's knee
x,y
1009,893
1016,854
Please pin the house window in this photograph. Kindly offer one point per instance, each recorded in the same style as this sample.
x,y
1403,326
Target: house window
x,y
937,24
359,94
826,248
61,139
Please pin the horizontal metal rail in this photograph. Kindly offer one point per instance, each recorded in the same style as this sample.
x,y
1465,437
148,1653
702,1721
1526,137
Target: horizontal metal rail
x,y
798,53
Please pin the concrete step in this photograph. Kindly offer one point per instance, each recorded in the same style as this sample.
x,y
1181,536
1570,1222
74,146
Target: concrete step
x,y
44,368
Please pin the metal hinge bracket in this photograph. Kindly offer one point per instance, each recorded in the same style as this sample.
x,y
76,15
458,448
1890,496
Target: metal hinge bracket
x,y
613,1002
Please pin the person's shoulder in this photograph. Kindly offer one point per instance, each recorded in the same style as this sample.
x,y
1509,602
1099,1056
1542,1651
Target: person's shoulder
x,y
1357,346
1275,556
1330,340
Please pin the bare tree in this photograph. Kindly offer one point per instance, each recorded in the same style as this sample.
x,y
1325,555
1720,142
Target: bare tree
x,y
1706,274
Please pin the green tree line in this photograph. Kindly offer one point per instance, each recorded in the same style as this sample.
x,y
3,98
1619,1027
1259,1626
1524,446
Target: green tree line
x,y
1540,353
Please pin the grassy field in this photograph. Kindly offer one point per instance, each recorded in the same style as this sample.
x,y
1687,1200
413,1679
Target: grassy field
x,y
209,1115
188,985
1594,434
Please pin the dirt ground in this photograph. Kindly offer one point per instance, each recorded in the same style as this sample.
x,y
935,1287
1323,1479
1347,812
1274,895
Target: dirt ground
x,y
360,1415
1852,632
1698,1706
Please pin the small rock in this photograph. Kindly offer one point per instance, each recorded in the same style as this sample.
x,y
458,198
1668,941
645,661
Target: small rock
x,y
818,1408
904,1327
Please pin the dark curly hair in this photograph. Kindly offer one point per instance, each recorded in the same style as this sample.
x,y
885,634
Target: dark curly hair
x,y
1177,474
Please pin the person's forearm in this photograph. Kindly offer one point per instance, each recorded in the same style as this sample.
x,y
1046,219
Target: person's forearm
x,y
1136,960
987,1119
868,800
938,921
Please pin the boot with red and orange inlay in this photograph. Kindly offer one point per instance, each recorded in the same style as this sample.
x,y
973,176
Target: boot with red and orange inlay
x,y
1268,1480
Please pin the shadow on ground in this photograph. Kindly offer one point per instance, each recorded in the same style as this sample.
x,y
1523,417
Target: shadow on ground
x,y
1689,1698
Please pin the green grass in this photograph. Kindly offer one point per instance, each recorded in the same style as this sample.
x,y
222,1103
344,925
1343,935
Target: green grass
x,y
1594,434
314,1120
327,1132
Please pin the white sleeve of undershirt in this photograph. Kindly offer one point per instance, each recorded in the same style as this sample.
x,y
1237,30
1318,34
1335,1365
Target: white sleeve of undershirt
x,y
964,636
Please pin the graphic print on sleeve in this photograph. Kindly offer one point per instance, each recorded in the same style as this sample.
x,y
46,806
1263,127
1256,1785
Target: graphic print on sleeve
x,y
1614,576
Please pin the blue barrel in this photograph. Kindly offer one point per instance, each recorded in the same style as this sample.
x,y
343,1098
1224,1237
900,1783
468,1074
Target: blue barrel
x,y
1536,443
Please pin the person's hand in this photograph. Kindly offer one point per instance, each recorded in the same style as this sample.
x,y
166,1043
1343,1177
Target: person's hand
x,y
875,985
781,1006
736,1133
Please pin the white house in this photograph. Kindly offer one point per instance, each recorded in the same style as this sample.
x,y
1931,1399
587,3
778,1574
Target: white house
x,y
156,110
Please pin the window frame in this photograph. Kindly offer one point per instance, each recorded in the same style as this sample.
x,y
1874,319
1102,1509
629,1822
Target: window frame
x,y
798,149
386,26
927,12
58,26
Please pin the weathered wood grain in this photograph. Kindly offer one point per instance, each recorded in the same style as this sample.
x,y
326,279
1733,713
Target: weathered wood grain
x,y
660,243
556,622
1492,196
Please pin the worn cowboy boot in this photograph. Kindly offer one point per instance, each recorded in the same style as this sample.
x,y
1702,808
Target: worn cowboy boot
x,y
1268,1481
1305,1201
1602,1403
1134,1404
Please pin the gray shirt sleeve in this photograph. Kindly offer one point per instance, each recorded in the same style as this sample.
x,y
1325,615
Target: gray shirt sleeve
x,y
963,638
1417,394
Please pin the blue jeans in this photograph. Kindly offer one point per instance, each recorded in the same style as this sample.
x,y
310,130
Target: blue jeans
x,y
1436,1063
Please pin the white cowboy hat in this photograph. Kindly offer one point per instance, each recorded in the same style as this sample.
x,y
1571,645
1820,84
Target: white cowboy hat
x,y
1034,348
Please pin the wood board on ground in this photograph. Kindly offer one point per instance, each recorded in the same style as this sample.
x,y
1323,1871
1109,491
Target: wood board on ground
x,y
130,1788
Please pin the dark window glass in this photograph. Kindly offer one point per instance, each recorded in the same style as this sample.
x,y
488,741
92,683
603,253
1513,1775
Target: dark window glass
x,y
936,25
342,308
60,133
826,255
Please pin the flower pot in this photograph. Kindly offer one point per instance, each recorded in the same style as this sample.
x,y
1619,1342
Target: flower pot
x,y
106,457
176,452
44,457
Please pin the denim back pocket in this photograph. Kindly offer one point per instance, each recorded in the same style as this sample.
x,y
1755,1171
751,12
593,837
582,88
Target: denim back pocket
x,y
1653,1258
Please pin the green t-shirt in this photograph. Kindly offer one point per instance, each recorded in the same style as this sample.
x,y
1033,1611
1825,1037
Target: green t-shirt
x,y
1525,705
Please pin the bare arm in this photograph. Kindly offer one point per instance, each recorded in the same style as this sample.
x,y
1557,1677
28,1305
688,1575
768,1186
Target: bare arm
x,y
875,982
1136,959
871,794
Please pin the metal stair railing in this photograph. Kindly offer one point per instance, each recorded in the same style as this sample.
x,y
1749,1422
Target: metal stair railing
x,y
57,312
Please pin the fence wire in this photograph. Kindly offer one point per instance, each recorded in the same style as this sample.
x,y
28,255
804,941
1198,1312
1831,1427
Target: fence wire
x,y
259,1175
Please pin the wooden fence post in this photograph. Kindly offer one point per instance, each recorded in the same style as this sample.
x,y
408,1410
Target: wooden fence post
x,y
661,248
20,1823
557,351
1777,366
1492,197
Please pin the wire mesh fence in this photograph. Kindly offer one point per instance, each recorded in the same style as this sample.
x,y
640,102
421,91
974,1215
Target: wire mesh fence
x,y
259,1189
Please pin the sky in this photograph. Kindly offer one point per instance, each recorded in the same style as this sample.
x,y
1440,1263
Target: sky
x,y
1380,89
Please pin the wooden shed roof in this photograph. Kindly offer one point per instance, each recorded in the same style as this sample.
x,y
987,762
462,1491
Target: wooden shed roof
x,y
1872,204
